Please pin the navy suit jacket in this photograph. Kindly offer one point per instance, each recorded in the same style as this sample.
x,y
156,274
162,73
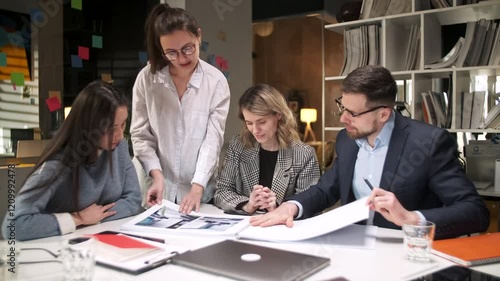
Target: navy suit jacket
x,y
421,169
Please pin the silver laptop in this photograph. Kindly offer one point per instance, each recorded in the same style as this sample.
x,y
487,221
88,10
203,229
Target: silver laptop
x,y
245,261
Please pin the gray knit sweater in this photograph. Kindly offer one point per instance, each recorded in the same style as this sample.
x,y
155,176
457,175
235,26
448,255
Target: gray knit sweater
x,y
45,211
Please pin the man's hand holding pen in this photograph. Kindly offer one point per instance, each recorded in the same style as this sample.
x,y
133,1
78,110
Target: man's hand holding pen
x,y
386,203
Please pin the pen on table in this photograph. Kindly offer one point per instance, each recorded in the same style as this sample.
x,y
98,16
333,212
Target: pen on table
x,y
368,183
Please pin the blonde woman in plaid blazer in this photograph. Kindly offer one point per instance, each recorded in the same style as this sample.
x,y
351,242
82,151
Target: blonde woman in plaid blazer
x,y
267,162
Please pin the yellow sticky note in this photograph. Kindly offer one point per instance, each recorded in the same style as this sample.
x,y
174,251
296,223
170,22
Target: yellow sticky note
x,y
106,77
56,94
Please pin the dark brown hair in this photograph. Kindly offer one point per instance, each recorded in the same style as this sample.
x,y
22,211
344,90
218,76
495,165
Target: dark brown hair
x,y
373,81
78,140
163,20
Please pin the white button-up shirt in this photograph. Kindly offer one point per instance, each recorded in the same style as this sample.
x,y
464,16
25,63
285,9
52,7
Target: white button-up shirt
x,y
182,138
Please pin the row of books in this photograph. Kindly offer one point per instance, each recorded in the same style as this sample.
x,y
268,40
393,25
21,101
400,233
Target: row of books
x,y
413,48
479,47
492,119
437,111
379,8
436,108
472,110
437,4
361,47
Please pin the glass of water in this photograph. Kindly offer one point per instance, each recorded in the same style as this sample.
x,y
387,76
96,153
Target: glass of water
x,y
78,259
418,239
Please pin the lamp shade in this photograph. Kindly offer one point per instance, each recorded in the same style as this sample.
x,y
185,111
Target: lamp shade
x,y
308,115
263,29
67,109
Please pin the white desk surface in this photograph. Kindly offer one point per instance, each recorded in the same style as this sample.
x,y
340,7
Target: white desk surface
x,y
385,262
489,191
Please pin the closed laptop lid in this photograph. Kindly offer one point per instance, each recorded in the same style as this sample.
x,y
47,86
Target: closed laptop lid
x,y
245,261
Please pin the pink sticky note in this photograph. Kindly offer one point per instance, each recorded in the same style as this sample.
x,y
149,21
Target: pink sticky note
x,y
224,65
218,60
53,103
83,53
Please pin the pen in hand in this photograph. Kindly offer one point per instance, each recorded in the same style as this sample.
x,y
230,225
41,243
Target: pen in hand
x,y
370,186
368,183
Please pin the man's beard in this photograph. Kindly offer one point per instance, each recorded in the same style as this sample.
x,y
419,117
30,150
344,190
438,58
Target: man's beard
x,y
361,134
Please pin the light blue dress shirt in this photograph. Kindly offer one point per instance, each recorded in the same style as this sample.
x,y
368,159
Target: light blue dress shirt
x,y
370,161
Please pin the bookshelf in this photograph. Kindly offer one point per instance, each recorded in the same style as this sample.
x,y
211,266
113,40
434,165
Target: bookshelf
x,y
394,36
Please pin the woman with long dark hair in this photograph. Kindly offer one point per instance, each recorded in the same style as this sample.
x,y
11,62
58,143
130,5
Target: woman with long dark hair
x,y
84,176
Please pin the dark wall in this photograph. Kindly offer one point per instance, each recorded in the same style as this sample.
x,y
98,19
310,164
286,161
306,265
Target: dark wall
x,y
268,9
265,9
121,25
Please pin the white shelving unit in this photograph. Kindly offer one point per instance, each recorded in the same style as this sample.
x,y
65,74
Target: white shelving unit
x,y
394,35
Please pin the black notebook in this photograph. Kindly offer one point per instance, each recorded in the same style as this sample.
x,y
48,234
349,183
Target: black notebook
x,y
245,261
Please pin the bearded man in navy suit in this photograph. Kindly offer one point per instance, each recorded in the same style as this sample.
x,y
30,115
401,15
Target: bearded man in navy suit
x,y
413,165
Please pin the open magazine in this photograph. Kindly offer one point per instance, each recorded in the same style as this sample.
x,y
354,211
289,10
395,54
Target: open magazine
x,y
166,219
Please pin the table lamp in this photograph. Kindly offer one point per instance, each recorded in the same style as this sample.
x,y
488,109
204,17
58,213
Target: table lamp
x,y
308,115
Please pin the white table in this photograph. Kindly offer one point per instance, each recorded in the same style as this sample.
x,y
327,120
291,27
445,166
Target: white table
x,y
385,262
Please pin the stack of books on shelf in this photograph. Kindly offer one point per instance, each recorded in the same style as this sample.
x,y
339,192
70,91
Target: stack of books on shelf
x,y
492,120
413,49
470,110
361,47
481,44
450,58
436,109
438,4
479,47
379,8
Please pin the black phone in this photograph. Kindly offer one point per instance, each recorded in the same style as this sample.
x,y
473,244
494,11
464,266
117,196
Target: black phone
x,y
78,240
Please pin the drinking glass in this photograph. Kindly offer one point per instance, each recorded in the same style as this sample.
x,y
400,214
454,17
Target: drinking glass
x,y
418,239
78,259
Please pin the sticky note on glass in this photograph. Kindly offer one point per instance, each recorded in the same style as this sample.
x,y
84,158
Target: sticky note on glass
x,y
17,78
106,77
224,65
218,61
83,52
76,4
56,94
204,46
76,61
211,59
36,15
143,57
221,36
3,59
96,41
53,104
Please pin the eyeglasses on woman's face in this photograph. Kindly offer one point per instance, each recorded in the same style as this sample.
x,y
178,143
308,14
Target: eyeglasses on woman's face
x,y
343,109
174,54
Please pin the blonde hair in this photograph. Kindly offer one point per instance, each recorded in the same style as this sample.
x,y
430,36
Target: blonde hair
x,y
264,100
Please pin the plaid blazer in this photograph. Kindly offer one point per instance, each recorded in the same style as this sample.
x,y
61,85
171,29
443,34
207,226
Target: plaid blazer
x,y
296,169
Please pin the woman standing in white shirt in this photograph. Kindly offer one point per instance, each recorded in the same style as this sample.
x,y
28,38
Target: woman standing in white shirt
x,y
179,110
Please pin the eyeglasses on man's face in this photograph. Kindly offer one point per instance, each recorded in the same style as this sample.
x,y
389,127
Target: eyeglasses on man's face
x,y
174,54
353,114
